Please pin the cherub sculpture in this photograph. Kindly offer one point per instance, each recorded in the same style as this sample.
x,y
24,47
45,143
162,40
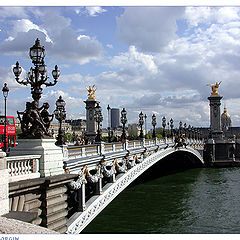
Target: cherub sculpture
x,y
91,91
214,88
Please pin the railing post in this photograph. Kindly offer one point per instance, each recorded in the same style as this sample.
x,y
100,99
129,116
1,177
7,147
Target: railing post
x,y
81,197
125,144
83,152
114,147
4,181
143,142
99,186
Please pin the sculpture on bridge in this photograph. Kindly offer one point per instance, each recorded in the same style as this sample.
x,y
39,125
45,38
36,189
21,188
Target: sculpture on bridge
x,y
32,123
91,91
214,88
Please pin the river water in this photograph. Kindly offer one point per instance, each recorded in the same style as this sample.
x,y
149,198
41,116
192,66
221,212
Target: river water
x,y
202,200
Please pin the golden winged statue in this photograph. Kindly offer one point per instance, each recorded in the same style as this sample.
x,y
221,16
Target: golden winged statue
x,y
214,88
91,91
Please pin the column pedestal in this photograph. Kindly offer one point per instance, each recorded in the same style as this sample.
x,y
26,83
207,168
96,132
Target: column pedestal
x,y
51,161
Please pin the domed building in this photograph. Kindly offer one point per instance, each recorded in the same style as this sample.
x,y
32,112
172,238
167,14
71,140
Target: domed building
x,y
226,121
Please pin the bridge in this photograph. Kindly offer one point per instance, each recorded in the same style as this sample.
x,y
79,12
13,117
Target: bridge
x,y
94,175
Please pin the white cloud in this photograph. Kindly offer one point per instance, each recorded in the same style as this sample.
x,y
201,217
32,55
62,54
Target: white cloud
x,y
25,25
148,28
94,11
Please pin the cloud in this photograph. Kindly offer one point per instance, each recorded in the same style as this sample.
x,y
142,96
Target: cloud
x,y
94,11
148,28
55,33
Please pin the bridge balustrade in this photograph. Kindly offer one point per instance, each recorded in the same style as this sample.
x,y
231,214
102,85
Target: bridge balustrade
x,y
23,167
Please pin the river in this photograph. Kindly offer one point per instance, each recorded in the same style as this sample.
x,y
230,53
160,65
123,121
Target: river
x,y
201,200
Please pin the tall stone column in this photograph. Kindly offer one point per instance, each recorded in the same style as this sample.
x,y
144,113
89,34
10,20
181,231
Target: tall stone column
x,y
4,200
91,130
215,116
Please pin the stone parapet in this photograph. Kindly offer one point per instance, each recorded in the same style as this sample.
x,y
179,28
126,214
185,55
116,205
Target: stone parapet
x,y
4,181
51,161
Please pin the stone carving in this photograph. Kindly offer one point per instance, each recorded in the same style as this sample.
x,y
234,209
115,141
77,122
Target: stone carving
x,y
214,88
34,122
91,91
107,169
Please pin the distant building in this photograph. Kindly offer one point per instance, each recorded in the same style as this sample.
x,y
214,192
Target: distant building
x,y
226,121
115,117
78,126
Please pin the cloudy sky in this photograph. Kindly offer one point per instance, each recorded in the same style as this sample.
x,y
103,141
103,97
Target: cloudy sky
x,y
151,59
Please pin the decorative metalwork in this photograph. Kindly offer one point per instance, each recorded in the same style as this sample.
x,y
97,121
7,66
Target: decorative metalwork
x,y
32,123
154,123
141,122
164,125
123,121
60,115
5,91
171,126
180,127
98,118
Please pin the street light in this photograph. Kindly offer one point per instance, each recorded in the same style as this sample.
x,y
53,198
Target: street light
x,y
37,76
154,123
180,127
171,126
189,131
185,129
141,122
98,118
163,125
5,91
109,128
60,115
123,121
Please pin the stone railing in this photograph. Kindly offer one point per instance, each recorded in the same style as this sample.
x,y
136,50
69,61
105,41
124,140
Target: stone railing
x,y
103,148
23,167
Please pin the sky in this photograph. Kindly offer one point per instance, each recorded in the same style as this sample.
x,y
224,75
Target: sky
x,y
154,59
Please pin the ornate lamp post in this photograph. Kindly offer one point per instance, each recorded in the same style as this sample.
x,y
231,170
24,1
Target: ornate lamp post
x,y
189,131
109,128
36,78
185,129
154,123
123,121
180,127
60,115
5,91
141,122
98,118
145,117
164,125
171,126
193,132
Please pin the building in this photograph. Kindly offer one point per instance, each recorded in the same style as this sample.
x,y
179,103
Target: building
x,y
78,126
115,118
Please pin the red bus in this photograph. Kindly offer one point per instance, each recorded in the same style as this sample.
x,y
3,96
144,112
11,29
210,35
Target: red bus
x,y
11,131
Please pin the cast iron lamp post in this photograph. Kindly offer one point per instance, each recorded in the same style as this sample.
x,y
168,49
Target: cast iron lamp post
x,y
180,127
164,125
141,122
37,76
154,123
5,91
189,131
171,126
123,121
98,118
185,129
60,115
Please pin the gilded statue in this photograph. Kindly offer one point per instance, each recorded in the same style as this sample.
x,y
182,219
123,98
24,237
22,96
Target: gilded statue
x,y
214,88
91,91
